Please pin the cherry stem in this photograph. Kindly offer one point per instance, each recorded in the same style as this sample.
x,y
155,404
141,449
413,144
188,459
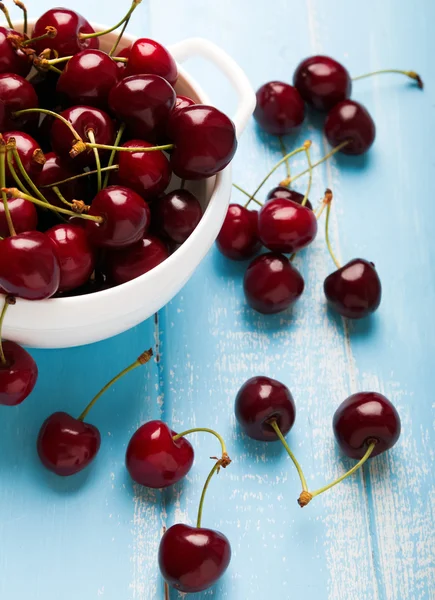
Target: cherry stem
x,y
6,14
310,177
8,300
50,113
141,360
283,441
288,181
24,9
126,18
79,176
50,33
166,588
327,201
410,74
91,136
13,150
113,153
61,197
214,470
284,153
251,199
122,149
55,61
11,228
206,430
22,187
120,59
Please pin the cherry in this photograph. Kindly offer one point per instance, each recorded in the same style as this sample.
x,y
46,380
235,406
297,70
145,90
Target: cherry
x,y
261,400
88,78
12,60
205,141
29,152
55,170
280,109
129,263
154,459
350,122
29,267
192,559
180,102
147,173
15,94
285,226
354,290
18,374
322,82
272,283
126,217
364,418
75,254
177,214
284,192
238,237
122,67
23,214
149,57
69,25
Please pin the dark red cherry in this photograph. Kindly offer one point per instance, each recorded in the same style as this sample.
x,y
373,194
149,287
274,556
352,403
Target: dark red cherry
x,y
69,25
18,376
12,60
283,192
205,141
29,152
350,121
126,217
15,94
55,170
129,263
180,102
322,82
238,238
192,559
363,418
148,173
355,290
75,254
88,78
285,226
260,400
29,267
66,445
272,283
177,214
23,214
149,57
154,459
280,109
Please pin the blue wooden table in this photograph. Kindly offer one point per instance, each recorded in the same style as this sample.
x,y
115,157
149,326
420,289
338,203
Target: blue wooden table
x,y
372,538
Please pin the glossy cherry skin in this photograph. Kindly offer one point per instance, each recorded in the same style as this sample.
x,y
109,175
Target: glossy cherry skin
x,y
29,267
363,418
18,376
66,445
280,109
29,152
12,60
15,94
154,459
144,102
23,214
148,57
177,214
88,78
350,121
180,102
355,290
55,170
147,173
285,226
322,82
192,559
205,141
238,238
129,263
69,25
127,217
75,254
272,283
283,192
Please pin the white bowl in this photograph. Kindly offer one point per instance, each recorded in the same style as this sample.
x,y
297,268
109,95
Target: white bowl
x,y
65,322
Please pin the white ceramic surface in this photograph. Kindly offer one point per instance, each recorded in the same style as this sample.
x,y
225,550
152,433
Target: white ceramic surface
x,y
65,322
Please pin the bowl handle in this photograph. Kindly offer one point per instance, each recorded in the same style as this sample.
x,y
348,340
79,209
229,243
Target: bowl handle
x,y
206,49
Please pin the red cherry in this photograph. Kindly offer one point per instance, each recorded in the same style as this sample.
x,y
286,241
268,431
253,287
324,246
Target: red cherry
x,y
180,102
144,102
18,376
177,214
75,254
283,192
149,57
363,418
129,263
66,445
355,290
272,283
126,215
350,121
147,173
154,459
29,152
238,238
322,82
285,226
23,214
260,400
280,109
12,60
68,25
88,78
55,170
205,141
15,94
29,267
192,559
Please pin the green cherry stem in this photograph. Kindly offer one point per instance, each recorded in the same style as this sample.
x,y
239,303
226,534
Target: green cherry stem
x,y
24,9
8,300
11,228
129,149
80,175
113,153
87,36
51,113
17,180
327,201
283,441
13,150
310,176
214,470
7,15
411,74
91,136
253,199
141,360
288,181
284,153
225,460
61,197
50,33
